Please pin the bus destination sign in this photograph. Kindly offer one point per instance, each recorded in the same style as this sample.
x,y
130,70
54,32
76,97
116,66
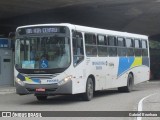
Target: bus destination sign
x,y
41,30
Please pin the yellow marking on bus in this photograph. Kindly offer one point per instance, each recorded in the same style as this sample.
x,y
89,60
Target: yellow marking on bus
x,y
28,79
137,62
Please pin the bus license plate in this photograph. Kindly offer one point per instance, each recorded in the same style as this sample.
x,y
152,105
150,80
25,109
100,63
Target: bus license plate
x,y
40,89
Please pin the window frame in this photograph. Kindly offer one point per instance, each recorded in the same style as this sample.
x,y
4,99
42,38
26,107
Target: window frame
x,y
132,42
138,43
95,37
143,40
102,46
91,45
82,45
124,42
105,39
115,40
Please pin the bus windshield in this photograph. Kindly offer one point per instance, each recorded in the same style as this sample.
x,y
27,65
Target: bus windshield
x,y
43,52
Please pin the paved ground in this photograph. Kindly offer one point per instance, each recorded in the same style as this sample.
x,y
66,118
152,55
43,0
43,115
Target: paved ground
x,y
109,100
6,90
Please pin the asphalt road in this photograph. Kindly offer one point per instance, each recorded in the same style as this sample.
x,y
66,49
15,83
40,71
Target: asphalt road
x,y
108,100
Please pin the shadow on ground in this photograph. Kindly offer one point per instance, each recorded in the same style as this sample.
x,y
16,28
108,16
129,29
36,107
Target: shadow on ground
x,y
71,99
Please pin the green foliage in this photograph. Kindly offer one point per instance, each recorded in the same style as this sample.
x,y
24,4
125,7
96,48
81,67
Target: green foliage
x,y
154,44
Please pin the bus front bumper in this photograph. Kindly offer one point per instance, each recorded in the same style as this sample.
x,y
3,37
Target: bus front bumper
x,y
50,89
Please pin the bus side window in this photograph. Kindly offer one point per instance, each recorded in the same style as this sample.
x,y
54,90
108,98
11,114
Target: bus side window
x,y
144,48
112,48
102,45
78,51
121,46
90,44
130,45
138,50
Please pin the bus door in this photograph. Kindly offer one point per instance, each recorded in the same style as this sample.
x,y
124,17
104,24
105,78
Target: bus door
x,y
78,56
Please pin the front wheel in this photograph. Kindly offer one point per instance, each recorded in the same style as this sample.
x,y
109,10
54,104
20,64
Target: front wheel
x,y
130,83
88,95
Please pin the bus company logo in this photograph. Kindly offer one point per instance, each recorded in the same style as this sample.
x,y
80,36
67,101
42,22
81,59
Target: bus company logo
x,y
6,114
98,63
52,81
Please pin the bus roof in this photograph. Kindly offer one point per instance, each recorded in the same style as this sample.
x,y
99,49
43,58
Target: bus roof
x,y
91,30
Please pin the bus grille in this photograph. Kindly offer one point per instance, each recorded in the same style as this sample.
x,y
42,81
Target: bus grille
x,y
41,76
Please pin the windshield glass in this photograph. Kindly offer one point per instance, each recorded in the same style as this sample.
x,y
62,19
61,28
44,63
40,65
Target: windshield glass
x,y
42,52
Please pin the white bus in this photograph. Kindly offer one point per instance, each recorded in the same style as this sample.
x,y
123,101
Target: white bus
x,y
53,59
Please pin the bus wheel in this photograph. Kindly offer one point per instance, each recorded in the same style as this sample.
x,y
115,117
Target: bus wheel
x,y
130,83
41,98
88,95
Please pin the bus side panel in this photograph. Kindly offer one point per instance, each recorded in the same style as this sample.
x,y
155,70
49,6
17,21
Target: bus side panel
x,y
98,68
141,74
141,69
138,66
79,78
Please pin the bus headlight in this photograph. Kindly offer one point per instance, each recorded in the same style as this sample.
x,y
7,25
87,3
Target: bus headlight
x,y
65,80
68,78
19,82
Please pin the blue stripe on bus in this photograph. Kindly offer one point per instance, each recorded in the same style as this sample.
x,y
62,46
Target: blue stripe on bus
x,y
37,80
124,64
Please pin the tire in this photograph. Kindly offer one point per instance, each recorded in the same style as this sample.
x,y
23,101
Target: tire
x,y
130,83
88,95
41,98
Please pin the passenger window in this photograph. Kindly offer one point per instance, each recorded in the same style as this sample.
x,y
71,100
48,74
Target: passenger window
x,y
130,51
144,44
144,48
129,42
90,39
121,49
102,48
137,43
138,50
111,41
91,51
90,44
144,52
101,39
112,51
129,45
121,41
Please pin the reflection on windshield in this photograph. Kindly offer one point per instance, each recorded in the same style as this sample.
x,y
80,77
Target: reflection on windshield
x,y
42,52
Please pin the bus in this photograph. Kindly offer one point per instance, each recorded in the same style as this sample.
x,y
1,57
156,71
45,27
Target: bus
x,y
61,59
